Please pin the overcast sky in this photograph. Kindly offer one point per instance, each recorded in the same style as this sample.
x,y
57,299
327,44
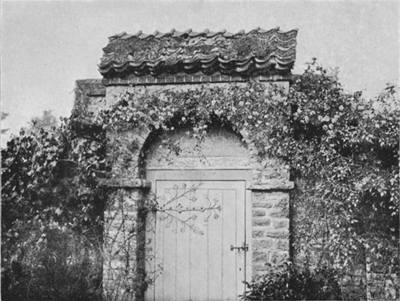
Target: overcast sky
x,y
46,46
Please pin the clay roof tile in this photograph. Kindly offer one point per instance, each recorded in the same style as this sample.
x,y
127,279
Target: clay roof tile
x,y
257,51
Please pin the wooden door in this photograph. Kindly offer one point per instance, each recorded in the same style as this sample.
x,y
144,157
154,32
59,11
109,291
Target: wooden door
x,y
197,223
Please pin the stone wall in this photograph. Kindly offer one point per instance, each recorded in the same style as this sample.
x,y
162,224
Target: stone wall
x,y
127,188
124,230
364,283
270,230
94,95
270,189
119,247
90,98
124,234
270,209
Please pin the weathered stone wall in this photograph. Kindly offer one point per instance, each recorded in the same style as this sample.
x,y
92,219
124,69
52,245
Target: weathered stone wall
x,y
382,281
119,247
220,149
270,230
270,196
124,229
270,186
364,283
127,189
270,212
123,151
90,98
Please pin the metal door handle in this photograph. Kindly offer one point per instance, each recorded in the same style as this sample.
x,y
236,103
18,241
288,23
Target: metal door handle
x,y
244,247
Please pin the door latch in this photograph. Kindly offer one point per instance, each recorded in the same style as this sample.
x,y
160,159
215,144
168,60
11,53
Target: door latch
x,y
244,247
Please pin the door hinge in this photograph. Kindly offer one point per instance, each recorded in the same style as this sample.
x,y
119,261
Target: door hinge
x,y
244,247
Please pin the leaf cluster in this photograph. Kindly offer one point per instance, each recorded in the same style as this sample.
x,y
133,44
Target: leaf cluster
x,y
292,284
343,152
50,203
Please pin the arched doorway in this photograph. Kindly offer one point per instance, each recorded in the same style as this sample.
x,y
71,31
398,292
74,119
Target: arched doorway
x,y
200,236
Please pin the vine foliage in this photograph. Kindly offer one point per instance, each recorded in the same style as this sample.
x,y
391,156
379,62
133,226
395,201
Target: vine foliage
x,y
343,153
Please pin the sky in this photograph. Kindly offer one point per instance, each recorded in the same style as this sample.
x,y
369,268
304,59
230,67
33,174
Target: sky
x,y
47,46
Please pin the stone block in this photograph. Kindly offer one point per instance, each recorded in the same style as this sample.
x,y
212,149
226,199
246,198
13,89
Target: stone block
x,y
279,224
279,199
263,244
116,264
260,221
258,197
278,213
130,207
279,257
282,234
112,233
258,233
257,175
136,195
260,267
258,212
261,256
262,204
282,244
273,184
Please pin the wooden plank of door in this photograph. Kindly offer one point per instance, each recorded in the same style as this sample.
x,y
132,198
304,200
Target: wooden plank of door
x,y
229,258
215,231
197,273
168,250
241,238
182,276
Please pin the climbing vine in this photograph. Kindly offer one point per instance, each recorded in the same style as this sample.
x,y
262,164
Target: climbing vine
x,y
342,150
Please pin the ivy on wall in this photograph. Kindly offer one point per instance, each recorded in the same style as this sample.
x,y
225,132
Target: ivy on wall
x,y
342,151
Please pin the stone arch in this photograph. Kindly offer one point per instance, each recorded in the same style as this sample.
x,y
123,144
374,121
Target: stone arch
x,y
128,185
217,163
268,190
220,142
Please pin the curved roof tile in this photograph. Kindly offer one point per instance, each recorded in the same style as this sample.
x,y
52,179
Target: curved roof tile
x,y
259,51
